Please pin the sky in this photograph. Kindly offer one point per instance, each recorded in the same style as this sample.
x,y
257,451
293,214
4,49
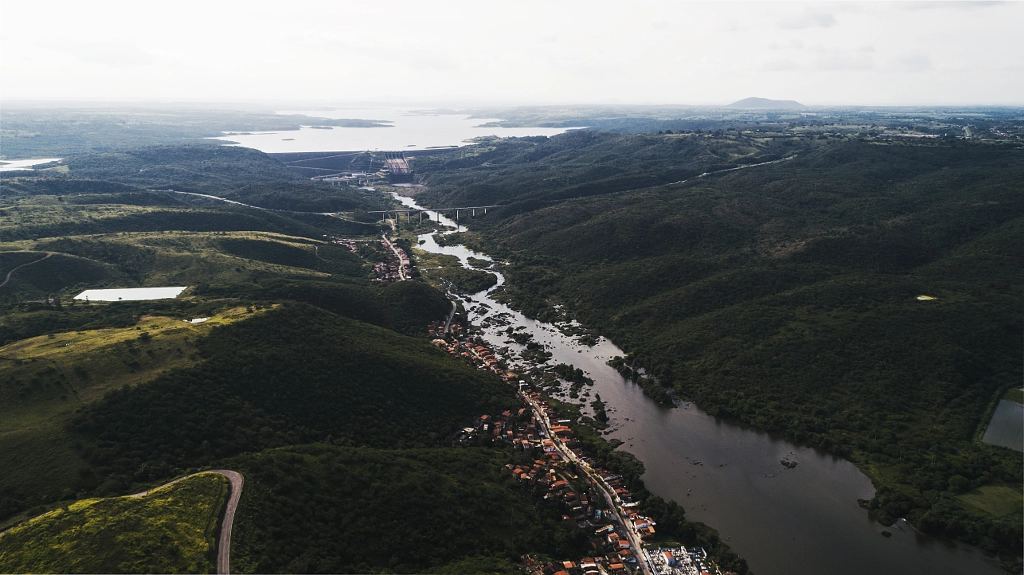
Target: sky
x,y
522,52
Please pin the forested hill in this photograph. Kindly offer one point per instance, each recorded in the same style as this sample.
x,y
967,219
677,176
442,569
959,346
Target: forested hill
x,y
536,172
784,296
240,174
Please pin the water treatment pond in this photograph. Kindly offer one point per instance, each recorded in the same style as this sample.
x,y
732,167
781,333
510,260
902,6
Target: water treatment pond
x,y
803,520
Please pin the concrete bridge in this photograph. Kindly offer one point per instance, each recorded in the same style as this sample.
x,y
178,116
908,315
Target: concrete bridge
x,y
409,212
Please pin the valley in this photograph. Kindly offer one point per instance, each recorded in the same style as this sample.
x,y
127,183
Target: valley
x,y
723,320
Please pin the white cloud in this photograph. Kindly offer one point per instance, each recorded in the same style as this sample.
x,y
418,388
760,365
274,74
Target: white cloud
x,y
912,63
532,51
115,53
808,19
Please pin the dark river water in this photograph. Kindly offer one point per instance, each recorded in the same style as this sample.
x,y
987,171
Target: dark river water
x,y
801,521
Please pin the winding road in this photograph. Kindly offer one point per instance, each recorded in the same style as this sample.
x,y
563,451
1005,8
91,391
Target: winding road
x,y
224,539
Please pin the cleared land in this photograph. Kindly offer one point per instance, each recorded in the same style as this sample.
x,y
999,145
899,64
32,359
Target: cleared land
x,y
999,500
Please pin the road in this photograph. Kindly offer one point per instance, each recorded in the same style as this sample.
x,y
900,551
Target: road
x,y
401,270
224,539
448,323
225,200
606,490
8,278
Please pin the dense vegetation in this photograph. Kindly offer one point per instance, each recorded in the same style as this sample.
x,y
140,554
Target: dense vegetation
x,y
783,296
240,174
293,375
328,509
172,530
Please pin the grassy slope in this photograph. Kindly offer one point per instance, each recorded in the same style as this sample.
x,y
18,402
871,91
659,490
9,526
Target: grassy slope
x,y
172,530
784,297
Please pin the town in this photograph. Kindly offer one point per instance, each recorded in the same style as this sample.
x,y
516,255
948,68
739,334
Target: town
x,y
594,498
397,267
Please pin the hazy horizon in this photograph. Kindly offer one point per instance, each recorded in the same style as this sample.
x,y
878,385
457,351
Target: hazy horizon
x,y
690,54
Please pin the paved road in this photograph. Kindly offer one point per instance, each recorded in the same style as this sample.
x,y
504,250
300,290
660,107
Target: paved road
x,y
224,542
448,324
394,249
8,278
606,490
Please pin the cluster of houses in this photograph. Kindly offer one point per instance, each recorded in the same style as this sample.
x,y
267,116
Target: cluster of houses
x,y
436,329
350,244
479,355
398,266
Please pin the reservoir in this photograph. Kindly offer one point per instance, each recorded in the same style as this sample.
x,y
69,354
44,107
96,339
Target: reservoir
x,y
409,129
802,520
130,294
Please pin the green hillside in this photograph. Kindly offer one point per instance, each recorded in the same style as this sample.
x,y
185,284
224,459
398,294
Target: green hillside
x,y
240,174
171,530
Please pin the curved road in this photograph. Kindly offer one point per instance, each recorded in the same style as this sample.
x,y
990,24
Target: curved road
x,y
224,539
8,278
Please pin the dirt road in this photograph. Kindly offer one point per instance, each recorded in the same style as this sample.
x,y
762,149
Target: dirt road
x,y
8,278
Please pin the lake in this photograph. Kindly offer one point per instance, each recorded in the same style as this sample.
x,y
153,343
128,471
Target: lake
x,y
799,521
410,130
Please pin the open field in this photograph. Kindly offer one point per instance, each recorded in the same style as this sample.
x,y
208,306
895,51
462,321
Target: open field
x,y
171,530
999,500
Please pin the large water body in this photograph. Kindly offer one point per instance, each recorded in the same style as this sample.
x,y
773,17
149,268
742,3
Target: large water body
x,y
409,130
26,164
799,521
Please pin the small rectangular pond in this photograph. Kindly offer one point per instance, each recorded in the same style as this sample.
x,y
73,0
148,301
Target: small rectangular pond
x,y
130,294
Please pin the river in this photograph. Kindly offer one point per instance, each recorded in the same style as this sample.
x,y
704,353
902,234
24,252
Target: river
x,y
799,521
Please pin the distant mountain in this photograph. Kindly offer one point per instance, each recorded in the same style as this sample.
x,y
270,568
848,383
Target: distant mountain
x,y
765,104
